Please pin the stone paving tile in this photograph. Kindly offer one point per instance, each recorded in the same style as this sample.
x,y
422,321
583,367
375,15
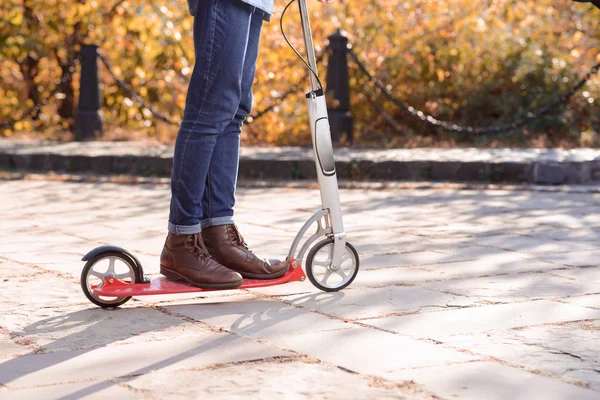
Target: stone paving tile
x,y
582,274
483,318
585,258
587,375
272,222
446,244
374,302
288,289
180,298
19,245
355,222
494,265
8,347
411,241
127,238
444,227
83,214
532,245
272,380
592,301
505,288
46,290
481,252
398,276
86,326
557,349
407,259
491,381
369,351
58,261
382,242
247,315
583,218
496,155
93,390
487,260
71,268
130,359
558,219
365,279
468,250
9,269
573,235
278,198
416,215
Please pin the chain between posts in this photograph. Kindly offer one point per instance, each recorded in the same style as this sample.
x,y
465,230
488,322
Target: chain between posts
x,y
36,108
408,109
436,123
124,86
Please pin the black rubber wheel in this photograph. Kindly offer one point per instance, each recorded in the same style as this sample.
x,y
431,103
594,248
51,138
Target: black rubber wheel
x,y
87,272
311,263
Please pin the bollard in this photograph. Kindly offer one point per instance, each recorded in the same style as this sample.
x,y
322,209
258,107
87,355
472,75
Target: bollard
x,y
338,89
89,119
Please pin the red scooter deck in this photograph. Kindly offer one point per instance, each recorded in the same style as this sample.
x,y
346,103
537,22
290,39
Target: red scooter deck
x,y
162,285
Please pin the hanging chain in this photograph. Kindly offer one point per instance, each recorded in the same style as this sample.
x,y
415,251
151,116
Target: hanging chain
x,y
434,122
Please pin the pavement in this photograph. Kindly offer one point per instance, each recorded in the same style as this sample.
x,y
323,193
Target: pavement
x,y
462,294
505,165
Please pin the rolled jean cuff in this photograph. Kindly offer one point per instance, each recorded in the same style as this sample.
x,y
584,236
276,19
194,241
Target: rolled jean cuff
x,y
206,223
184,229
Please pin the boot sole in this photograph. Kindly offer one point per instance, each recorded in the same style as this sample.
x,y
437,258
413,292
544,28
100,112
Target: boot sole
x,y
250,275
175,276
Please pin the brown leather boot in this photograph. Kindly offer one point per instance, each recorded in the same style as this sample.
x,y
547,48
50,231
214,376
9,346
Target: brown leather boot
x,y
228,247
185,257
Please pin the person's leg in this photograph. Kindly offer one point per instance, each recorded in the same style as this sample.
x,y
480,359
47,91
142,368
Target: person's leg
x,y
221,30
220,39
220,235
219,197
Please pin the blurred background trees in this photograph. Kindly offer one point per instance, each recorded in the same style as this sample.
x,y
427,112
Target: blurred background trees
x,y
471,63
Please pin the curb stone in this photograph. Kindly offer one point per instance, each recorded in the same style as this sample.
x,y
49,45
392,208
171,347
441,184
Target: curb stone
x,y
533,166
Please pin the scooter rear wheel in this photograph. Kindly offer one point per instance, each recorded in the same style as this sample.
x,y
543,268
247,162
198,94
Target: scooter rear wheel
x,y
105,266
321,272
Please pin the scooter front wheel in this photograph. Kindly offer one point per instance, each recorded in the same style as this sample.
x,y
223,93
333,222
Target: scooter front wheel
x,y
103,267
321,271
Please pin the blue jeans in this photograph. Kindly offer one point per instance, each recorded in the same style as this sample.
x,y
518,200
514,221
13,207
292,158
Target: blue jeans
x,y
219,98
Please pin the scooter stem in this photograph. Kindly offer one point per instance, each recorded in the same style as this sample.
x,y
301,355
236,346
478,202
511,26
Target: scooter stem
x,y
323,149
308,43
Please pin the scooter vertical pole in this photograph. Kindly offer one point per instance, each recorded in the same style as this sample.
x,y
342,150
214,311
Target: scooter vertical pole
x,y
308,44
323,149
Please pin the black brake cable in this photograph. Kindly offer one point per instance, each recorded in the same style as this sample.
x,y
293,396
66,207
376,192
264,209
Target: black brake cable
x,y
312,71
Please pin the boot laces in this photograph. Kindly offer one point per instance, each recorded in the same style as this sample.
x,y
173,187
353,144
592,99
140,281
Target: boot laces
x,y
195,245
240,240
238,237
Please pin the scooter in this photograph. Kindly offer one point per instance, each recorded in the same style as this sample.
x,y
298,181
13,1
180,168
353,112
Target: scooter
x,y
112,275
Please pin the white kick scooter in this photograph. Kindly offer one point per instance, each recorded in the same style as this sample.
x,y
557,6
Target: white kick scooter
x,y
341,258
112,275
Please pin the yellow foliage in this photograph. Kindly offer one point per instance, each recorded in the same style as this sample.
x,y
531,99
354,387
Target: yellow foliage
x,y
468,62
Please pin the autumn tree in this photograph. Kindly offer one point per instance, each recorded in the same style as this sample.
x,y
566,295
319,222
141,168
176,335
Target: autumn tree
x,y
471,63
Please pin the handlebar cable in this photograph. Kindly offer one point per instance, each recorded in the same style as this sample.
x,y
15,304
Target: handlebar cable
x,y
312,71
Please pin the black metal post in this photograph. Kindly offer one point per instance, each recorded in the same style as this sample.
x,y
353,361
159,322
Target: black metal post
x,y
338,89
89,120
